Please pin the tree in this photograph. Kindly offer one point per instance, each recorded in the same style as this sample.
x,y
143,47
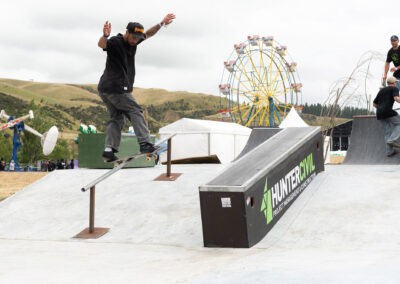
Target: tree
x,y
350,90
5,145
61,151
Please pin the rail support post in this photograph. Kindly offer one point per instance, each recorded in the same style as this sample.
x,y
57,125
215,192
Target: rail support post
x,y
168,176
92,232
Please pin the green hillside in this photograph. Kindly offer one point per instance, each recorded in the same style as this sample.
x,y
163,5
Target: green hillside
x,y
69,104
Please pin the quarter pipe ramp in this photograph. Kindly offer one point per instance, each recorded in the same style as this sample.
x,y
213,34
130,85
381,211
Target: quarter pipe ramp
x,y
367,144
258,136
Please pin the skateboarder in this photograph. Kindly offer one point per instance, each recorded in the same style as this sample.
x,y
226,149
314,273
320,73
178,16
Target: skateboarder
x,y
393,55
387,116
116,84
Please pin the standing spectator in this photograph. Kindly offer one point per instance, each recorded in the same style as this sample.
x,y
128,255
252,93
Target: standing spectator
x,y
389,118
44,166
12,166
59,165
51,166
2,164
393,55
72,164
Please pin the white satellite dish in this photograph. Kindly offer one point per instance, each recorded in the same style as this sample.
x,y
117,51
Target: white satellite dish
x,y
49,140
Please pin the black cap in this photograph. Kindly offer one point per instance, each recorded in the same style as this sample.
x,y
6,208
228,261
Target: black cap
x,y
136,29
394,37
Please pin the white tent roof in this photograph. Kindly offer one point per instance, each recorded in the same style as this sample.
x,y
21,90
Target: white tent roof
x,y
293,119
187,125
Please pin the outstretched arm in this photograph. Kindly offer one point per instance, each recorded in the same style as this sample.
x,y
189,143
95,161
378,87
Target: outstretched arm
x,y
386,71
106,33
168,19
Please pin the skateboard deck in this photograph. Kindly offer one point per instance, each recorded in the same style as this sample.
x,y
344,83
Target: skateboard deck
x,y
118,166
149,157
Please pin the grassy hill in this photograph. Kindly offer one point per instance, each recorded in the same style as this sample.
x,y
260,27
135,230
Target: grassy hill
x,y
69,105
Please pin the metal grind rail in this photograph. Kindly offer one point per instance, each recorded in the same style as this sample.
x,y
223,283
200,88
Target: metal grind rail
x,y
120,166
93,232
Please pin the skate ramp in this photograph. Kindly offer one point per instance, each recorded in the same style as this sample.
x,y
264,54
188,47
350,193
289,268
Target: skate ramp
x,y
367,144
257,136
134,207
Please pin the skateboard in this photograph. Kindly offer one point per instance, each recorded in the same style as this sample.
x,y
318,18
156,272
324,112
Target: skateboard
x,y
149,157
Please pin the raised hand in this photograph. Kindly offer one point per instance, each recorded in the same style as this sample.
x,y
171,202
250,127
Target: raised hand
x,y
168,19
107,29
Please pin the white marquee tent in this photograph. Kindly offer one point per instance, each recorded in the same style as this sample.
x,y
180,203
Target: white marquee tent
x,y
201,138
293,119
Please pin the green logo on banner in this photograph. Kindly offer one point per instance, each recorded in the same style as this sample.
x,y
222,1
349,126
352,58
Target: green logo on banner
x,y
288,186
266,205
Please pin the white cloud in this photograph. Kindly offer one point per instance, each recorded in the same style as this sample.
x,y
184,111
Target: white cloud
x,y
57,40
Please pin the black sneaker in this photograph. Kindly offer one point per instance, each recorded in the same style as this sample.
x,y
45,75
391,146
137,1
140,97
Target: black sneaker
x,y
394,144
109,157
148,148
395,151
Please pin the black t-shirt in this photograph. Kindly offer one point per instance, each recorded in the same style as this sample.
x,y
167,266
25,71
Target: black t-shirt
x,y
394,55
384,100
119,75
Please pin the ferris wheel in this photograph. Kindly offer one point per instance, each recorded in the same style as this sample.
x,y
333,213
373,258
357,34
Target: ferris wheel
x,y
260,83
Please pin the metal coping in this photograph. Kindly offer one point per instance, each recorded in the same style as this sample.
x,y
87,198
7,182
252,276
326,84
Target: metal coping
x,y
364,116
253,179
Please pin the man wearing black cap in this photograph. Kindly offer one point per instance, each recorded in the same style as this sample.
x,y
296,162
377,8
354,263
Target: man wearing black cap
x,y
393,55
389,118
116,84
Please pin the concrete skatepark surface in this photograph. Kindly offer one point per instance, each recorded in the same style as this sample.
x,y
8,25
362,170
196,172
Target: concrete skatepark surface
x,y
343,228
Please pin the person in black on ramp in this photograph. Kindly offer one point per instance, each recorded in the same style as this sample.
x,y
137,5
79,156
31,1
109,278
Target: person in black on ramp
x,y
393,55
387,116
116,84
